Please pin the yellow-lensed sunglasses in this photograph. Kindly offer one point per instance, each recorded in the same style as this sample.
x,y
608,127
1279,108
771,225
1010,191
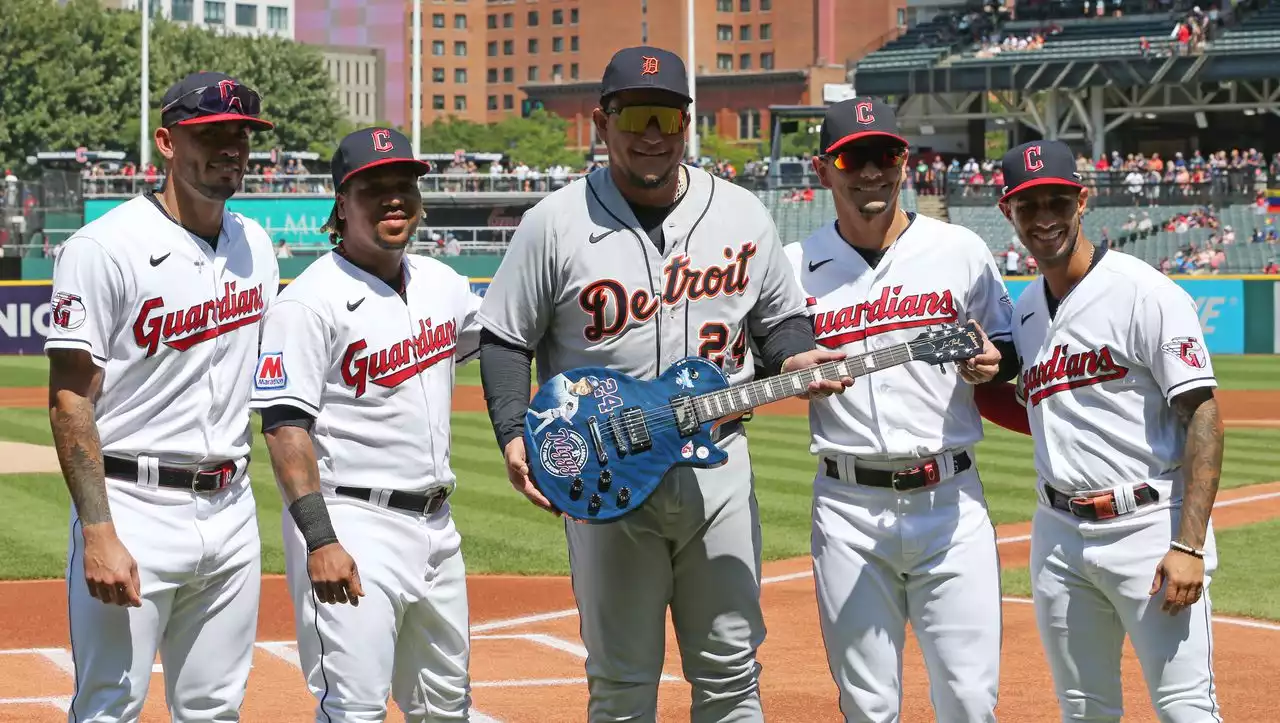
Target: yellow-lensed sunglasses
x,y
636,118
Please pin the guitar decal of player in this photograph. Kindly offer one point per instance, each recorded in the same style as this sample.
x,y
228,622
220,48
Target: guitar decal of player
x,y
568,403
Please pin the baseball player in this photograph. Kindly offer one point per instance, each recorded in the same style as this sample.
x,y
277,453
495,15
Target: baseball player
x,y
1118,389
354,386
153,335
613,270
900,525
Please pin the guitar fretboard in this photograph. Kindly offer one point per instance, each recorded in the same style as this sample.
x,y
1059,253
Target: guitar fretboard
x,y
743,397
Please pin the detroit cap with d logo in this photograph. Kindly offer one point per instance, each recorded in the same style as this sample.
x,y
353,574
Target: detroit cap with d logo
x,y
1038,163
643,68
210,97
855,119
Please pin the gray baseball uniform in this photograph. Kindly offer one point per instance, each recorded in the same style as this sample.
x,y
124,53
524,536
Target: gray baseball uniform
x,y
582,284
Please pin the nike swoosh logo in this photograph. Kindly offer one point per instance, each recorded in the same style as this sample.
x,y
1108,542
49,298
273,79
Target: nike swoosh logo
x,y
353,305
596,237
157,261
1026,316
815,265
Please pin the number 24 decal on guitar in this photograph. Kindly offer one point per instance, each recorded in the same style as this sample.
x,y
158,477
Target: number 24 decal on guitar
x,y
599,441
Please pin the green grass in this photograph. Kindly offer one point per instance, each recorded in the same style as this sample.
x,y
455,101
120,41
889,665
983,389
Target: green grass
x,y
24,371
1247,582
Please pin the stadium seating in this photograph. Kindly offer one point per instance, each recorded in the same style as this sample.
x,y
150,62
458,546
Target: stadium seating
x,y
1110,38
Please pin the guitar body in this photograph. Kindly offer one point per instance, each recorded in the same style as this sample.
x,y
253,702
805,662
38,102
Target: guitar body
x,y
599,442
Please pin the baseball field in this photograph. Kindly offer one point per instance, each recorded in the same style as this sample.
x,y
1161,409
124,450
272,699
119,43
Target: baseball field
x,y
527,656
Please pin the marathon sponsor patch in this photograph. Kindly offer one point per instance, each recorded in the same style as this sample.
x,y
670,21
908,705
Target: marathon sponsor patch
x,y
67,311
1188,350
270,373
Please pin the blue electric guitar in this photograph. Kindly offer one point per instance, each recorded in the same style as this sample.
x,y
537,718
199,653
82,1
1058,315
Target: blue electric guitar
x,y
599,442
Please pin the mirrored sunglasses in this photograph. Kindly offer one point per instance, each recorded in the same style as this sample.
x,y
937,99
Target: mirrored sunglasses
x,y
636,118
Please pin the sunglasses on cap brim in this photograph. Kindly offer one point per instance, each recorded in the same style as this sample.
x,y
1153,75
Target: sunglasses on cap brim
x,y
220,99
636,118
879,155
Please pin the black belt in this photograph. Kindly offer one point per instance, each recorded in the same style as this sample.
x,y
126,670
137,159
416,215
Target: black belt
x,y
1099,507
903,480
207,479
427,504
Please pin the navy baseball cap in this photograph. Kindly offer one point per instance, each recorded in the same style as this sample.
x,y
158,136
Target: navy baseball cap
x,y
209,97
1038,163
645,67
370,148
857,118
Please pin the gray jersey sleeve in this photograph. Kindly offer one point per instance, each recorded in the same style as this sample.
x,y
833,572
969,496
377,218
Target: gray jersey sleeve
x,y
780,293
520,300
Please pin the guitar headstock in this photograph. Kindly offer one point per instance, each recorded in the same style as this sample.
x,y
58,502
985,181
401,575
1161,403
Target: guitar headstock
x,y
949,342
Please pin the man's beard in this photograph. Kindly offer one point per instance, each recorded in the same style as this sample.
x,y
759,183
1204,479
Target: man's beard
x,y
651,182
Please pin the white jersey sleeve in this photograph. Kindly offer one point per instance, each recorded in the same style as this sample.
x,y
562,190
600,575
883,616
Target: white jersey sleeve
x,y
780,294
989,303
520,300
469,327
1170,341
295,358
87,303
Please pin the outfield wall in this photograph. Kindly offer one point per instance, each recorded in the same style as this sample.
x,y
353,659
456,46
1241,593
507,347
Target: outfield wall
x,y
1240,314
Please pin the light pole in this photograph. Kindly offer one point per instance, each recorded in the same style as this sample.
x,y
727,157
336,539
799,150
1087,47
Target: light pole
x,y
417,77
144,105
692,70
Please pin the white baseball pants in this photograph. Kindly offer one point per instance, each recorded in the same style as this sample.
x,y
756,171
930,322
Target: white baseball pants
x,y
409,638
198,558
883,558
1090,583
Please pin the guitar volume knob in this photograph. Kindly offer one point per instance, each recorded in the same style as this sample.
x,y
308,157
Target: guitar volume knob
x,y
624,496
606,479
593,505
575,488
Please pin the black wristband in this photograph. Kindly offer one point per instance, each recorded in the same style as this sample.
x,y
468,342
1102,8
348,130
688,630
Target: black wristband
x,y
311,514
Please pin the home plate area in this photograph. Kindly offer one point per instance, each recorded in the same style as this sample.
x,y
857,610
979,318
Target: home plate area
x,y
527,666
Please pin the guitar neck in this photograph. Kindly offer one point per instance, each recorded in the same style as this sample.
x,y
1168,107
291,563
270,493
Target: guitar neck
x,y
749,395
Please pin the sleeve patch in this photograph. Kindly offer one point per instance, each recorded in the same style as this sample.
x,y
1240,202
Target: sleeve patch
x,y
67,311
1187,349
270,373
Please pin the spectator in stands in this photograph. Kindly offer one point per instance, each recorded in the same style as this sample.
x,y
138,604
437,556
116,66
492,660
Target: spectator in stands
x,y
1271,268
1011,259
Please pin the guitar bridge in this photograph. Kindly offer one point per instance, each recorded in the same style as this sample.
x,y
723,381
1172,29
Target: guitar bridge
x,y
597,441
637,430
686,416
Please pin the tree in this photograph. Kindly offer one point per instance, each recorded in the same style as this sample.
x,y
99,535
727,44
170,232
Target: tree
x,y
71,79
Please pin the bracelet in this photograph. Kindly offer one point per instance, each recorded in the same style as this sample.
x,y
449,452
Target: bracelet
x,y
1182,547
311,515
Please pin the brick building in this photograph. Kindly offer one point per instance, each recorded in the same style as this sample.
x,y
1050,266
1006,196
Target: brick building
x,y
482,58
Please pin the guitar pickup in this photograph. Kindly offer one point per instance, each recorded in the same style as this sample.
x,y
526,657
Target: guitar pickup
x,y
637,430
597,441
686,416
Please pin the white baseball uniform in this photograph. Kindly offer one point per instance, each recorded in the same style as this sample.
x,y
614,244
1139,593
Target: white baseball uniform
x,y
884,557
1097,378
174,325
583,284
376,372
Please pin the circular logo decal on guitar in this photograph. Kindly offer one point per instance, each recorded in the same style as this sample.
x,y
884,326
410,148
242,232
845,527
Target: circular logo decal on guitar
x,y
563,452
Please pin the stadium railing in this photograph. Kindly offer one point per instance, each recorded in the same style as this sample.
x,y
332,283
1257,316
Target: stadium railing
x,y
316,184
1107,191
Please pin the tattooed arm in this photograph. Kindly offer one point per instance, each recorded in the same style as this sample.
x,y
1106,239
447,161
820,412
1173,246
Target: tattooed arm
x,y
1201,462
111,573
1202,467
334,576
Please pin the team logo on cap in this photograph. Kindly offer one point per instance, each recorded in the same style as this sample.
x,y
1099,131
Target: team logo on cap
x,y
1031,159
226,88
382,140
863,113
650,66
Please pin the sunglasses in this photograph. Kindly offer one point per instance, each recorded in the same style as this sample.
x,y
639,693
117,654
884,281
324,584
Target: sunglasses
x,y
859,156
636,118
225,97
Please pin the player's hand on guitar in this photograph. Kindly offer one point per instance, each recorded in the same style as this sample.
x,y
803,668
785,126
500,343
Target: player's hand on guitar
x,y
110,572
1182,576
518,475
984,367
823,387
334,575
